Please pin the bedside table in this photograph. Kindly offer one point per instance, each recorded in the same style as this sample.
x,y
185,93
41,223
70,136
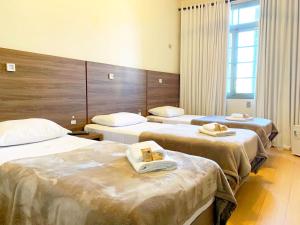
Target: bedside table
x,y
91,136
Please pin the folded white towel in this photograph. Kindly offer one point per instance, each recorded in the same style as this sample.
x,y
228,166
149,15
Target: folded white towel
x,y
144,167
228,132
136,152
215,127
238,119
240,115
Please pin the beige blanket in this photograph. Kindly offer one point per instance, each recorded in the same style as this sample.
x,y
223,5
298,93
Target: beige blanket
x,y
96,185
229,152
264,128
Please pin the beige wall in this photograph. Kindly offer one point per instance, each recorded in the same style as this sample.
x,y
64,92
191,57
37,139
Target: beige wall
x,y
136,33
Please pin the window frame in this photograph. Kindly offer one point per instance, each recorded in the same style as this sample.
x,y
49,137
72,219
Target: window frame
x,y
234,31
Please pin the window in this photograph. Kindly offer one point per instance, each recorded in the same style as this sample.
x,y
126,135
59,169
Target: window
x,y
242,50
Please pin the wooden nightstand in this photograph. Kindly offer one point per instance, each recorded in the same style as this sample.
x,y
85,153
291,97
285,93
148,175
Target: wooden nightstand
x,y
91,136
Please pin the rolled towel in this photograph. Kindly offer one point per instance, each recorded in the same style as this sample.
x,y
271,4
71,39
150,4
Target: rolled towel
x,y
140,151
240,119
144,167
240,115
215,127
217,133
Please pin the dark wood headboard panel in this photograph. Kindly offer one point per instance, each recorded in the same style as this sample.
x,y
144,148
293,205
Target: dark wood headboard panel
x,y
42,86
126,93
165,93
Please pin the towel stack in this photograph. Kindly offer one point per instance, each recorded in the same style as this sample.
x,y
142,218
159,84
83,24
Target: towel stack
x,y
216,130
149,156
239,116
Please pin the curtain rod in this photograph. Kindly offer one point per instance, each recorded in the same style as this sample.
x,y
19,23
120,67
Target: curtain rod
x,y
199,6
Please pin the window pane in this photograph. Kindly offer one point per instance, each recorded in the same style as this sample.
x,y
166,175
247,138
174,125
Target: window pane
x,y
245,70
235,17
229,55
242,49
244,86
228,86
248,15
246,38
256,36
246,54
229,70
230,40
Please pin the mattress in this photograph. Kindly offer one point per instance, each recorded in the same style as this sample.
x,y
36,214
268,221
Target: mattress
x,y
66,144
127,134
184,119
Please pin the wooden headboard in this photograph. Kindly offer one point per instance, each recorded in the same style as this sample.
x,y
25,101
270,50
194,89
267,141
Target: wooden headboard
x,y
162,89
58,88
125,93
42,86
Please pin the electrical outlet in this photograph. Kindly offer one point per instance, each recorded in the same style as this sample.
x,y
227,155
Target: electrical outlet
x,y
248,104
160,81
73,121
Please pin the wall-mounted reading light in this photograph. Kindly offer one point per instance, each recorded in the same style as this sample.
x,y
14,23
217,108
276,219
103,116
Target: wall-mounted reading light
x,y
160,81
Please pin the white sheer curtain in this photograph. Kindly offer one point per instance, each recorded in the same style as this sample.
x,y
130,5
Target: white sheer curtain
x,y
204,35
278,77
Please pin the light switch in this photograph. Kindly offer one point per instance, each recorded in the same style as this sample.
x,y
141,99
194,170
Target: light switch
x,y
111,76
10,67
160,81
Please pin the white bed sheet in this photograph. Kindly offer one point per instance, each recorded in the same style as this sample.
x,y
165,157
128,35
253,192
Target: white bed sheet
x,y
58,145
184,119
126,134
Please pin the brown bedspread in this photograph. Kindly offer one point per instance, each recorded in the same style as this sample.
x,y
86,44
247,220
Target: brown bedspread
x,y
96,185
265,129
229,152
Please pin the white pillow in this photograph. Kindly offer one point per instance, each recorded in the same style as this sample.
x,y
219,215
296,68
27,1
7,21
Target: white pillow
x,y
119,119
167,111
17,132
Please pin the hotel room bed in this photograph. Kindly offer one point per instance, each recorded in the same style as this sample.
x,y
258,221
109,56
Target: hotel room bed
x,y
70,180
237,155
264,128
